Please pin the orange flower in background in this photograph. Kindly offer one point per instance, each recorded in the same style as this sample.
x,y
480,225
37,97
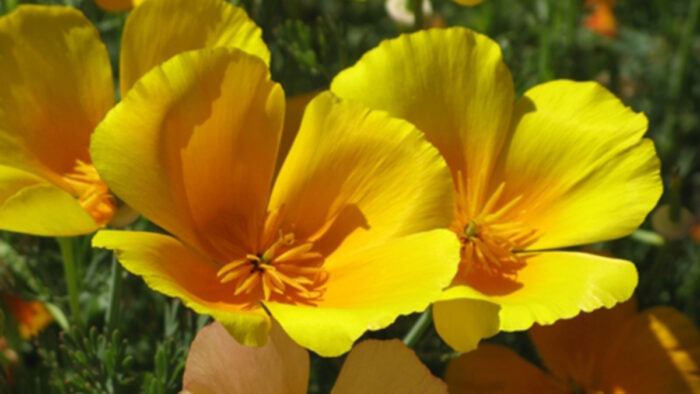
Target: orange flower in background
x,y
564,165
218,364
57,86
602,18
607,351
31,316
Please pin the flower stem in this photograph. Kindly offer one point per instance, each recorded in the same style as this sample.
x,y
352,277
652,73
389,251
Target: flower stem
x,y
417,14
71,274
648,237
115,295
419,327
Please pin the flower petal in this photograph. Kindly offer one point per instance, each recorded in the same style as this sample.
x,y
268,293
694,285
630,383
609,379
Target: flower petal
x,y
451,83
355,178
462,323
32,205
657,352
492,369
577,158
56,86
117,5
160,29
376,367
216,363
369,289
553,286
208,124
295,108
575,348
176,270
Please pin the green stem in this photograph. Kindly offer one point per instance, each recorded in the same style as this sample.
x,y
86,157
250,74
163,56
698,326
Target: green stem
x,y
419,327
115,295
418,14
648,237
71,273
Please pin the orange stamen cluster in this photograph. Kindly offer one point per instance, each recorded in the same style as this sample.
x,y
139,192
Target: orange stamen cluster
x,y
282,270
93,195
491,238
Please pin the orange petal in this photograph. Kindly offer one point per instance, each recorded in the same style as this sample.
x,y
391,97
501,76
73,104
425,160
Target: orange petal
x,y
56,86
31,316
575,348
217,363
292,120
209,124
493,369
385,367
657,352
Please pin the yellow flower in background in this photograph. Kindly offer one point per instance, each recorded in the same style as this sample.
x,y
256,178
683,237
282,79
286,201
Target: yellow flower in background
x,y
470,3
217,364
341,243
57,86
31,316
565,165
607,351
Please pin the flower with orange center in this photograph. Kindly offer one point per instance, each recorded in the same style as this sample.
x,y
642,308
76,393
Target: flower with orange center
x,y
57,86
565,165
31,316
606,351
602,20
351,235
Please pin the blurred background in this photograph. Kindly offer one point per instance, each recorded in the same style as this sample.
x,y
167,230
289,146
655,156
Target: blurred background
x,y
645,51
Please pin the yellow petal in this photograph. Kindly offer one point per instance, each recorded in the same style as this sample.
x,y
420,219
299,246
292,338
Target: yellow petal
x,y
56,86
160,29
657,352
29,204
378,367
369,289
208,124
117,5
216,363
356,178
292,120
493,369
577,158
451,83
553,286
575,348
176,270
462,323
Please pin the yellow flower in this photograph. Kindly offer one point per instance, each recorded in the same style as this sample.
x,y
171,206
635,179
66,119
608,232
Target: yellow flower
x,y
340,244
217,364
470,3
565,165
607,351
57,86
31,316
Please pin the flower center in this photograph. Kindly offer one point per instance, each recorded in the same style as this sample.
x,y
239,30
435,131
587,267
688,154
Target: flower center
x,y
93,195
490,234
285,271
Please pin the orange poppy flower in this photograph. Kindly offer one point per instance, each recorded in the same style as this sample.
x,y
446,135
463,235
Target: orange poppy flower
x,y
31,316
564,165
607,351
217,364
602,20
57,86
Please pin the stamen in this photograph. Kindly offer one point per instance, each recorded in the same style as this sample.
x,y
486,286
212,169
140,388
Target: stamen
x,y
93,195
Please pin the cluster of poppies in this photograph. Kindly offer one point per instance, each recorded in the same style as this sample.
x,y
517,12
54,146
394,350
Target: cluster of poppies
x,y
417,179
